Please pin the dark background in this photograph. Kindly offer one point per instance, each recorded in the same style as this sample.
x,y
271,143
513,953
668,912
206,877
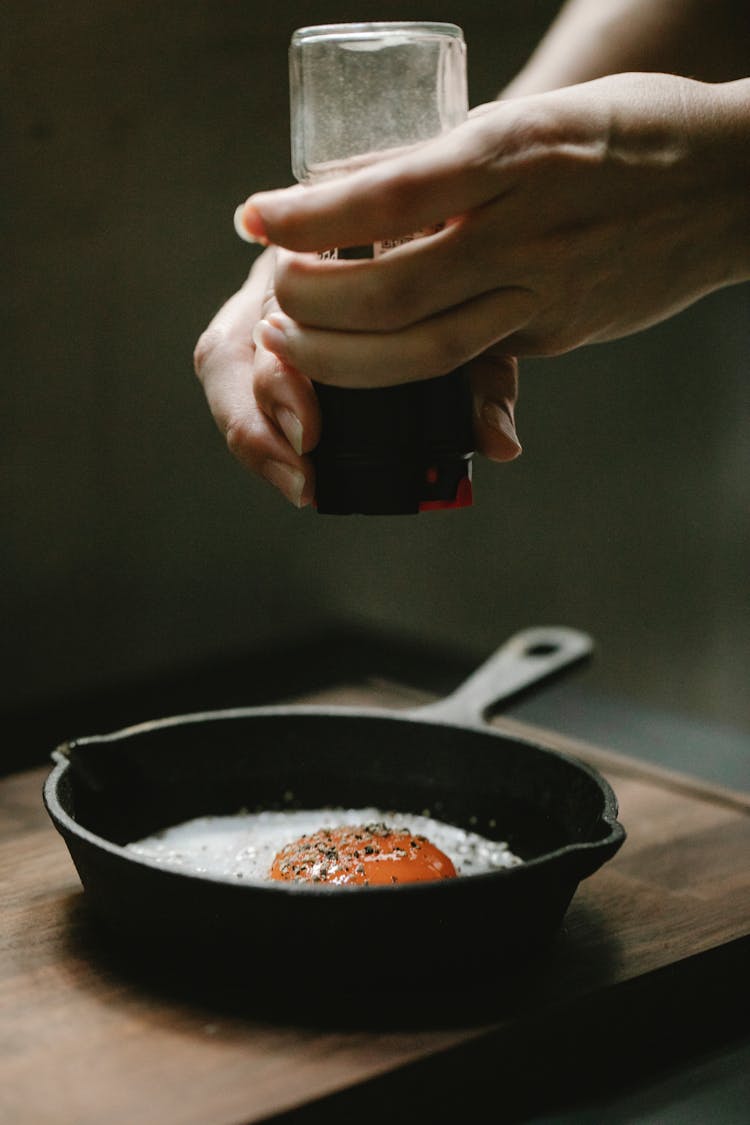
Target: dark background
x,y
137,552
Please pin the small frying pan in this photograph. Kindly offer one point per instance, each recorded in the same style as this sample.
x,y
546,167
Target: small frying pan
x,y
557,813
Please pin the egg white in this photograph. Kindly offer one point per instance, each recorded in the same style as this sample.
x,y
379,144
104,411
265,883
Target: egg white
x,y
243,847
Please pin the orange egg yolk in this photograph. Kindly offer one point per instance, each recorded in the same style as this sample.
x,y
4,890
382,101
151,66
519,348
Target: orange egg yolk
x,y
368,855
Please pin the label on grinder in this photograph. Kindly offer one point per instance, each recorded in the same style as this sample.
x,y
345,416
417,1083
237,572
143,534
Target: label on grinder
x,y
376,249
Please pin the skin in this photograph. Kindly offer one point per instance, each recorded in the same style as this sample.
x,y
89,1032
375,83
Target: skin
x,y
573,215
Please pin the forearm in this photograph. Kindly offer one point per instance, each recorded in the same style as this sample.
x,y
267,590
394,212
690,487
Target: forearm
x,y
705,39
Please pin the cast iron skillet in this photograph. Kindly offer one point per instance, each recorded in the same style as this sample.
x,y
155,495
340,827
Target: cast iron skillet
x,y
554,811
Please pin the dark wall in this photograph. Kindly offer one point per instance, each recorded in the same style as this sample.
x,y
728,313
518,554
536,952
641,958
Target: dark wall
x,y
133,542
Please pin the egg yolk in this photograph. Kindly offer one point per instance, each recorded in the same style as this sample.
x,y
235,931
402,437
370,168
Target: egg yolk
x,y
366,855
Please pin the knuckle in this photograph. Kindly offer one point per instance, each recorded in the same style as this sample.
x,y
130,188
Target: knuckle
x,y
266,379
527,138
241,439
209,343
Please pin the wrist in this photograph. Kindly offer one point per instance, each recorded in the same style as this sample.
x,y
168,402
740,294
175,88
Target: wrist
x,y
700,135
731,108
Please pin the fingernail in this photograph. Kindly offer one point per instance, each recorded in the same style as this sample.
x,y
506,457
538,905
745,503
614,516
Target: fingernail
x,y
249,225
498,419
268,336
291,426
289,481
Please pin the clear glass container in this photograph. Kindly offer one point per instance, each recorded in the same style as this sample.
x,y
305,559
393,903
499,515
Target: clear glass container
x,y
365,88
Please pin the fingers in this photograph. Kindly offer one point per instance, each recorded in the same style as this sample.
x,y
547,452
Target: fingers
x,y
420,351
417,188
405,285
288,399
494,383
269,415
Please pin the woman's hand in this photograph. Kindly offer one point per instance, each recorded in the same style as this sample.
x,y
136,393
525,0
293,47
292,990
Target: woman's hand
x,y
575,216
269,413
570,217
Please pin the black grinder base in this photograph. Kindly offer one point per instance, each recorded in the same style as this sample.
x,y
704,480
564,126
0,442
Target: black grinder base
x,y
395,450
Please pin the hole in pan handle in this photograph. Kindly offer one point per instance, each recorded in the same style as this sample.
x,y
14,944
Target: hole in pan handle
x,y
528,658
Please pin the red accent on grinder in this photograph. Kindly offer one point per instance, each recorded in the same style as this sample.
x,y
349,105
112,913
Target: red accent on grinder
x,y
464,498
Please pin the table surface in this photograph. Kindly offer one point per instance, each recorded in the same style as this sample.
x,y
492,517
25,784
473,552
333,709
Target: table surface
x,y
711,1083
69,1017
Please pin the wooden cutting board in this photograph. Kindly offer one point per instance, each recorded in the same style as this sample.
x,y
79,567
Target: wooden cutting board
x,y
81,1043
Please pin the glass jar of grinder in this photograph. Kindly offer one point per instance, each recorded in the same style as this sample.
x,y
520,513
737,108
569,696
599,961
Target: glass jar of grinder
x,y
357,91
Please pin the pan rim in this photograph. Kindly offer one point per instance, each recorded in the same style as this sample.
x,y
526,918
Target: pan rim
x,y
282,711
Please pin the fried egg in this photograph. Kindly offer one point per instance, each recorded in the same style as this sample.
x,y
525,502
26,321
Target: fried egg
x,y
363,855
322,844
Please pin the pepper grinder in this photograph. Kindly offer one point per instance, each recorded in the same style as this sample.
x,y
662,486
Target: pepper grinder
x,y
358,91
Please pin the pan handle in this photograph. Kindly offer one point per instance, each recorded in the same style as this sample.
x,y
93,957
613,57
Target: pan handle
x,y
527,658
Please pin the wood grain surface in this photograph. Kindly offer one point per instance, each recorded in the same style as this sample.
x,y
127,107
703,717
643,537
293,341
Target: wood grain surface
x,y
83,1041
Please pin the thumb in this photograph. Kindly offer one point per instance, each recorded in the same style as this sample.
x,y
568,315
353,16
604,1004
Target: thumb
x,y
494,383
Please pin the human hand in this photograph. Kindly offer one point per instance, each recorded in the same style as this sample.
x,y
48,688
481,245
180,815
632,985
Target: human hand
x,y
574,216
269,413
